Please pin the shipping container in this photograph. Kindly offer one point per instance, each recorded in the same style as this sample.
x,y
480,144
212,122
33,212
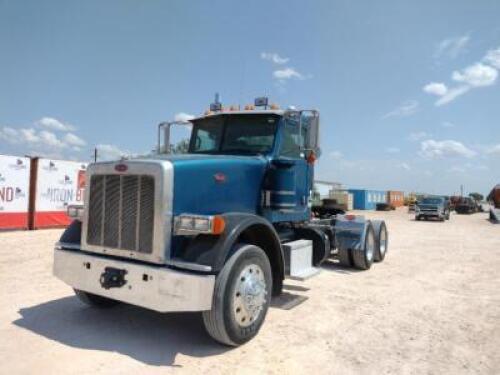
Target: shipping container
x,y
367,199
350,202
54,185
343,197
14,192
395,198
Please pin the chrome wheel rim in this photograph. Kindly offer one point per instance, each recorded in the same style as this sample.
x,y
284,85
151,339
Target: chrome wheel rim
x,y
250,295
370,245
383,241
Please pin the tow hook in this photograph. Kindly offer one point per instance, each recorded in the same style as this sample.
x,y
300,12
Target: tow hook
x,y
113,278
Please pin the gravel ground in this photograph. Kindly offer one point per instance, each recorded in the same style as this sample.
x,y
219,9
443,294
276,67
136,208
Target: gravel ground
x,y
433,306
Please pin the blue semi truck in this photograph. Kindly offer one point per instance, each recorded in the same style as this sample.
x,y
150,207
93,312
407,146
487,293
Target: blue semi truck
x,y
210,230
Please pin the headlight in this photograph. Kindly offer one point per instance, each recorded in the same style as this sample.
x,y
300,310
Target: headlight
x,y
202,224
197,224
75,211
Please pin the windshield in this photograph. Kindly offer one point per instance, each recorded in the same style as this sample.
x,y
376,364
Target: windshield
x,y
234,134
432,201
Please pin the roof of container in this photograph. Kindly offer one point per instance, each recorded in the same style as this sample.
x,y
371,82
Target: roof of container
x,y
371,190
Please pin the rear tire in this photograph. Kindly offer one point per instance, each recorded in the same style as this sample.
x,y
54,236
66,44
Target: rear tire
x,y
94,300
382,240
344,255
241,298
363,256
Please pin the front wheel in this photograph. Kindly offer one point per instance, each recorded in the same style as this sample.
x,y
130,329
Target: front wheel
x,y
241,298
94,300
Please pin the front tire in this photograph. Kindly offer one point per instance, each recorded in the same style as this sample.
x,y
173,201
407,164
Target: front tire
x,y
241,297
94,300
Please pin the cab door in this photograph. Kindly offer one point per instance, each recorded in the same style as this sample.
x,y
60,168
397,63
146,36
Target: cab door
x,y
291,175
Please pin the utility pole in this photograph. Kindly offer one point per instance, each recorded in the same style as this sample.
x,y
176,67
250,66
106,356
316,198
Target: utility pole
x,y
461,190
95,154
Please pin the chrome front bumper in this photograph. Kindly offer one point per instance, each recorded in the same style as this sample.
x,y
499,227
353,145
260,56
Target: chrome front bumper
x,y
157,288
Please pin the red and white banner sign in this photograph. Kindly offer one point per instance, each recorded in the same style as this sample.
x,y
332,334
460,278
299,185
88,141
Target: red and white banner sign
x,y
14,192
59,183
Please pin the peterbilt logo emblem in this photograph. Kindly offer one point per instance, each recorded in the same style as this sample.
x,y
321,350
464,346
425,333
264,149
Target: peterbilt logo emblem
x,y
121,167
220,178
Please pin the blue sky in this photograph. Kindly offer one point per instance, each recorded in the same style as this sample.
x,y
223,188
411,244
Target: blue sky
x,y
408,91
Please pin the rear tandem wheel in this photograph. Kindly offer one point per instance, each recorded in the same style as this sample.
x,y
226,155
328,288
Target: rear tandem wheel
x,y
363,255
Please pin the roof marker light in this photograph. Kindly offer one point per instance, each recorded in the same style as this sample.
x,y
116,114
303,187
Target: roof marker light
x,y
262,101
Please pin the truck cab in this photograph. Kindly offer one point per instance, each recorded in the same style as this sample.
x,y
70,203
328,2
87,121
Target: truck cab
x,y
211,230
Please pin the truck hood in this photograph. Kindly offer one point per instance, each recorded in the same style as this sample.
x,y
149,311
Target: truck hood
x,y
214,184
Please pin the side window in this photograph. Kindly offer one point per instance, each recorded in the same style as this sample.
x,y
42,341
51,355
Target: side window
x,y
204,140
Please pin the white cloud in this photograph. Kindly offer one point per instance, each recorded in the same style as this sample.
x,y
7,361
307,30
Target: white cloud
x,y
74,140
8,134
274,57
451,95
457,169
28,135
287,73
41,142
493,57
416,136
184,117
19,136
336,155
392,150
436,88
494,150
54,124
110,152
476,75
50,139
447,124
408,108
452,47
405,166
432,149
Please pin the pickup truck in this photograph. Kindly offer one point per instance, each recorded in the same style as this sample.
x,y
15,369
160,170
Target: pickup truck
x,y
432,207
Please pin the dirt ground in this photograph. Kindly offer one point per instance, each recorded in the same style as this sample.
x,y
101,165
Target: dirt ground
x,y
433,306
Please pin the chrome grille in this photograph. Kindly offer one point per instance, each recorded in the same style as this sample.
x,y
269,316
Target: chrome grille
x,y
121,212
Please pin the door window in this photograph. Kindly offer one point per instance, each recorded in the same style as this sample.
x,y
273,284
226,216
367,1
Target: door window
x,y
291,141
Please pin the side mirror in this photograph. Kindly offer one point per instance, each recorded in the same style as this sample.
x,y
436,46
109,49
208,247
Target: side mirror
x,y
165,147
310,120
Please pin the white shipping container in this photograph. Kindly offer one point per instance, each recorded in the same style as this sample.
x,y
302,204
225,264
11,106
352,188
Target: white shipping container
x,y
59,183
14,191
